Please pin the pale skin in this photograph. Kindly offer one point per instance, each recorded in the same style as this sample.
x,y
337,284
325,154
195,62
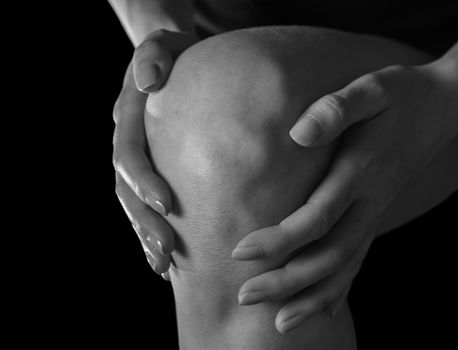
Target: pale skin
x,y
439,148
226,155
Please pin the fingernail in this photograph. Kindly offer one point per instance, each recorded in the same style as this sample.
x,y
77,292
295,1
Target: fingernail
x,y
165,276
248,252
307,130
156,205
252,297
152,262
149,78
291,322
158,243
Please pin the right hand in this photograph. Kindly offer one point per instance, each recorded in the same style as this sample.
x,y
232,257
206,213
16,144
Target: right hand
x,y
142,193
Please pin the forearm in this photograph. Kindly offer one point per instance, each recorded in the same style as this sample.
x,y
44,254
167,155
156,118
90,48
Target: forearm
x,y
438,179
141,17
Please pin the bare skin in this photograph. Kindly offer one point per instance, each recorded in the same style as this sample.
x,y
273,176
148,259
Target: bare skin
x,y
218,134
142,192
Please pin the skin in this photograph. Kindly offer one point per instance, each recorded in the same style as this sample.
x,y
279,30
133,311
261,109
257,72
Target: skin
x,y
424,184
218,132
144,196
391,186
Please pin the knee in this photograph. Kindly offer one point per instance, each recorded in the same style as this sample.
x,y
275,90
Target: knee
x,y
218,108
218,133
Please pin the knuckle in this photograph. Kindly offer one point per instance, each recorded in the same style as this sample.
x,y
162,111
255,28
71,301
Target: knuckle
x,y
283,283
383,81
323,222
284,276
337,257
359,161
335,104
378,84
325,303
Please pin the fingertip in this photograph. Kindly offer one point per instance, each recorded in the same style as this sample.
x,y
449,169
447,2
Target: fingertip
x,y
252,298
148,78
163,264
247,252
166,276
165,249
157,205
286,325
307,131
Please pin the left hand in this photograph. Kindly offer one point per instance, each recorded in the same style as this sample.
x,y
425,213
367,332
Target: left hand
x,y
395,120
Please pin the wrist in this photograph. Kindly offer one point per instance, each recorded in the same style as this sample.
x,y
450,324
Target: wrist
x,y
141,17
152,24
444,76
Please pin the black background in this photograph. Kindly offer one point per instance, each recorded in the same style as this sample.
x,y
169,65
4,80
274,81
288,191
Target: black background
x,y
99,287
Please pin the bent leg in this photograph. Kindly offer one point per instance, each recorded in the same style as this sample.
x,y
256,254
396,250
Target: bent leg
x,y
218,133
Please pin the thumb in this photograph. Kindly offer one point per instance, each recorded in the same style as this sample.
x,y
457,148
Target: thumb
x,y
152,63
328,117
153,58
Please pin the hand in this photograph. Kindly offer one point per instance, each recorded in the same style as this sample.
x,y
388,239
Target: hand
x,y
395,120
141,192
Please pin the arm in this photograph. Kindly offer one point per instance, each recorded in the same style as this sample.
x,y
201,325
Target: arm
x,y
141,17
438,179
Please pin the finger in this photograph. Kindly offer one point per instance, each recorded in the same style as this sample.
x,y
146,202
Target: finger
x,y
153,58
166,276
328,117
130,101
156,259
322,295
153,231
310,222
158,262
152,65
129,158
133,165
317,261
